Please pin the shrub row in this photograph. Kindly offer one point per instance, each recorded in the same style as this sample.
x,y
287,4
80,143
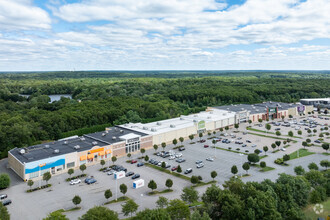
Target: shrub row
x,y
76,177
38,188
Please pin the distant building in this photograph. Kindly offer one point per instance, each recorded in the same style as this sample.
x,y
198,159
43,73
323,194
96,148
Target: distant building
x,y
321,102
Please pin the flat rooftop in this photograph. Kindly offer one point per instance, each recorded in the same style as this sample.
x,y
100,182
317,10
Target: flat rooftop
x,y
75,144
318,99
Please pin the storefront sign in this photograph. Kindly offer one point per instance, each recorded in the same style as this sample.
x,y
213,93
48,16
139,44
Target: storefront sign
x,y
301,108
272,110
201,125
133,140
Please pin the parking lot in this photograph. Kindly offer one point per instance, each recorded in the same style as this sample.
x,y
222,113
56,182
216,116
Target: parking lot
x,y
38,204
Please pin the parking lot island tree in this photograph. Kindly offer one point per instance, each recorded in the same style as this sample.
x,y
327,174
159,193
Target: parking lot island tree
x,y
30,183
107,194
191,137
76,200
278,143
155,147
253,158
246,167
175,142
313,166
152,185
299,132
4,181
178,209
221,129
181,139
304,144
129,207
163,165
142,151
308,140
162,202
263,164
299,170
82,168
146,158
273,146
268,126
169,183
189,195
200,136
123,188
265,148
234,169
113,159
325,163
214,174
278,133
227,128
286,157
102,162
325,146
236,126
290,133
129,155
179,170
194,179
46,177
163,145
214,142
257,151
101,213
55,215
70,171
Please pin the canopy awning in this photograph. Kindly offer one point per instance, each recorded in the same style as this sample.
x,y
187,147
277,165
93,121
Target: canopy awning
x,y
108,151
83,158
90,156
101,153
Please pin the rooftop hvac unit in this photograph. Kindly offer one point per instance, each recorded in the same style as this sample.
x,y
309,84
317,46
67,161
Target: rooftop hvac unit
x,y
194,120
195,115
113,138
145,128
56,151
65,142
211,112
46,146
94,143
209,117
107,131
76,147
181,118
242,109
224,114
270,101
116,129
121,131
22,151
158,123
172,126
82,139
103,134
153,129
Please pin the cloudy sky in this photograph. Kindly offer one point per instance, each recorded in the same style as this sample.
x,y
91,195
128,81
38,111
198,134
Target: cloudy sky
x,y
164,34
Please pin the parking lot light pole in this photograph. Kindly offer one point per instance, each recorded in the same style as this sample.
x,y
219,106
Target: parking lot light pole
x,y
116,188
241,163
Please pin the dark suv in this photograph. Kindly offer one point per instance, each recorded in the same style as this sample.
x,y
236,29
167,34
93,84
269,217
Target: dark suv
x,y
6,202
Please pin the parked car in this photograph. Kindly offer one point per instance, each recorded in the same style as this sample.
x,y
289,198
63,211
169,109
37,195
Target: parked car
x,y
135,176
198,161
6,202
90,181
140,164
239,138
206,146
167,165
75,181
244,145
200,165
158,153
210,159
253,145
283,149
174,168
202,141
111,172
133,161
248,141
106,170
277,129
181,148
180,160
217,139
244,133
189,170
171,158
317,141
178,155
129,174
89,178
3,196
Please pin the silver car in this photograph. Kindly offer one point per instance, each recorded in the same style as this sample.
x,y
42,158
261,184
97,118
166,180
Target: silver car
x,y
75,181
200,165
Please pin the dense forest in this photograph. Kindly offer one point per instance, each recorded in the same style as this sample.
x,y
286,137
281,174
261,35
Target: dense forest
x,y
103,98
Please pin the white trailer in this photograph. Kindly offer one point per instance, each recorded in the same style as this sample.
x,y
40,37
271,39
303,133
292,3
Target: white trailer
x,y
138,183
119,175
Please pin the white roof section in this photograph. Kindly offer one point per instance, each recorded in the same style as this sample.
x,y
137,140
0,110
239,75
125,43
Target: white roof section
x,y
318,99
129,136
184,121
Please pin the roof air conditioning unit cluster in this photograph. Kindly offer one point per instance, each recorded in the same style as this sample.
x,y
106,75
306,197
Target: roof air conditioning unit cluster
x,y
107,131
65,142
116,129
172,126
22,151
158,123
194,120
103,134
113,138
94,143
82,139
76,147
56,151
181,118
121,131
209,117
224,114
145,128
195,115
46,146
153,129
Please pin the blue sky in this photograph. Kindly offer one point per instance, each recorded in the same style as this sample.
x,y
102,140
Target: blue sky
x,y
164,35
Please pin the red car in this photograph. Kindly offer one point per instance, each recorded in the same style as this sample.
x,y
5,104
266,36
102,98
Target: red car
x,y
174,168
133,161
206,146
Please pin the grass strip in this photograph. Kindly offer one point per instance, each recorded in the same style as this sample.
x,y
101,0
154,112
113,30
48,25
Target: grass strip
x,y
326,154
234,151
302,153
120,199
263,169
203,183
266,136
68,210
263,156
173,173
39,188
266,132
160,192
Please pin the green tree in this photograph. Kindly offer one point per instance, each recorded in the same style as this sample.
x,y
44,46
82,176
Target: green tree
x,y
265,148
221,129
278,143
309,131
4,181
194,179
304,144
290,133
308,140
234,170
273,146
200,136
325,146
268,126
123,188
163,145
146,158
162,202
214,174
163,165
100,213
299,170
70,172
4,214
152,214
179,170
102,163
263,164
257,151
227,128
253,158
55,216
30,183
313,166
107,194
246,167
189,194
278,133
300,132
236,126
155,147
175,141
113,159
129,207
46,177
325,163
286,157
82,168
169,183
129,155
76,200
142,151
181,139
197,216
191,137
214,142
259,120
177,209
250,121
152,185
